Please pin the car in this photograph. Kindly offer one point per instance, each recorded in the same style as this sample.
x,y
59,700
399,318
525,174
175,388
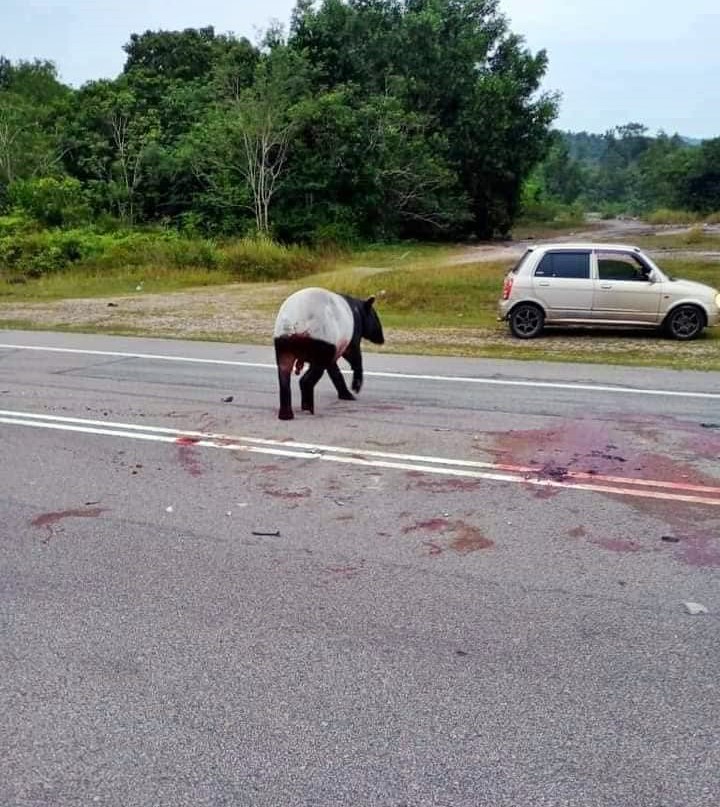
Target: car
x,y
593,284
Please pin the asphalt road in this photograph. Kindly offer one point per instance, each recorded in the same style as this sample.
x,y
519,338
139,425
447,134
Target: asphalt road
x,y
466,588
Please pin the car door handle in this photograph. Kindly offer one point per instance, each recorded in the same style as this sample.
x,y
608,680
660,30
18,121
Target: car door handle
x,y
606,285
544,283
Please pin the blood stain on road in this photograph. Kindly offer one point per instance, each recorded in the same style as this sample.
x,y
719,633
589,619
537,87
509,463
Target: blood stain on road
x,y
49,520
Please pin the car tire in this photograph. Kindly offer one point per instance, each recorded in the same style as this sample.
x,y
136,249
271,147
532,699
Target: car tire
x,y
685,322
526,321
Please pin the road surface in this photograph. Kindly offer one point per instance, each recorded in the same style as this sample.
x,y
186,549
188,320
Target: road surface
x,y
472,586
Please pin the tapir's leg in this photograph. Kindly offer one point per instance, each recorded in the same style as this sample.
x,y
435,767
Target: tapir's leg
x,y
285,362
307,387
354,358
337,378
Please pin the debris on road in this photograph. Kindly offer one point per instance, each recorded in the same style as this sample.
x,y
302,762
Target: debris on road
x,y
710,425
112,305
274,534
228,399
695,608
671,539
169,509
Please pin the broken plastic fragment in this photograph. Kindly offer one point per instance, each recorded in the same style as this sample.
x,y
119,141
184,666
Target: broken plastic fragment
x,y
169,509
695,608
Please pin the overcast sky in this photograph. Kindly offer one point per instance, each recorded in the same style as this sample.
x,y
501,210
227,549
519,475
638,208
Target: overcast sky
x,y
652,61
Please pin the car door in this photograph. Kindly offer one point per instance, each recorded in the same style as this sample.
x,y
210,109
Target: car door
x,y
562,283
623,291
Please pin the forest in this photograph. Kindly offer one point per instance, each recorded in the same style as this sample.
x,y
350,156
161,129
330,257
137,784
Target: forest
x,y
365,121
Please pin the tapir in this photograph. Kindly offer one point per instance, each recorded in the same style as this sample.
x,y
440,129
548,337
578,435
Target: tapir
x,y
318,327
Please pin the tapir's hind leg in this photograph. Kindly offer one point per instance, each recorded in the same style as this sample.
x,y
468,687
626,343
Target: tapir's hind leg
x,y
338,380
307,387
285,362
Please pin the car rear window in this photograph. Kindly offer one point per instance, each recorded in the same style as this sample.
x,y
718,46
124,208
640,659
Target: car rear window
x,y
522,260
564,264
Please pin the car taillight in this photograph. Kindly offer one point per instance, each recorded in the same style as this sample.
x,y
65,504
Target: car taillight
x,y
507,287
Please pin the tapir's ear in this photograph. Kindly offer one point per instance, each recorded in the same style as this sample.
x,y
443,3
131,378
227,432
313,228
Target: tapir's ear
x,y
369,302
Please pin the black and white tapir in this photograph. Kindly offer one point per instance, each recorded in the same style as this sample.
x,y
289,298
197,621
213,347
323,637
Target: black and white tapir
x,y
318,327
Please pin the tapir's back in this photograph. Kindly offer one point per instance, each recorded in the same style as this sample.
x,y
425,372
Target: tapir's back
x,y
315,313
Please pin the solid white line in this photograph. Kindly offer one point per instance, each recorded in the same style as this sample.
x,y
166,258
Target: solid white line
x,y
315,448
42,423
157,438
380,374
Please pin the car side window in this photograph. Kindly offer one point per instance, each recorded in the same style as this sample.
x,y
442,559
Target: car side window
x,y
564,264
621,266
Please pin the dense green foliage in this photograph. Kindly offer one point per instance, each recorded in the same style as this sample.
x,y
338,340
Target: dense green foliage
x,y
369,119
627,171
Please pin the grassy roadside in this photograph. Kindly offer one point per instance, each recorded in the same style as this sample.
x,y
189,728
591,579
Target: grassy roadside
x,y
429,304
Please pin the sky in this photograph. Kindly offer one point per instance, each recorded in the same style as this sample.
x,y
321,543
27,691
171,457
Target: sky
x,y
656,62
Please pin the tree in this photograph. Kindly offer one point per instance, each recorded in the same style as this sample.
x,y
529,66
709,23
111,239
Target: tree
x,y
31,99
246,139
455,63
364,167
703,180
110,142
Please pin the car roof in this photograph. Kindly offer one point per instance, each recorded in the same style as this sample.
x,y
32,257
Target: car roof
x,y
583,245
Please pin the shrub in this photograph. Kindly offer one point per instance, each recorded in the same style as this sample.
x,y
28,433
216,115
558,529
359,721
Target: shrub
x,y
260,258
51,201
666,216
695,235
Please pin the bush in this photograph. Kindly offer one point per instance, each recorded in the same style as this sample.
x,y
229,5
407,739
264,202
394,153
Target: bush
x,y
260,258
35,254
29,253
666,216
695,235
548,211
15,223
51,201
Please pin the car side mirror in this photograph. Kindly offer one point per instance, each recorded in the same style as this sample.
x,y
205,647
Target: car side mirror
x,y
652,276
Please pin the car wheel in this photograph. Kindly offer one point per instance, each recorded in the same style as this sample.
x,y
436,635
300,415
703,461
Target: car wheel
x,y
685,322
526,321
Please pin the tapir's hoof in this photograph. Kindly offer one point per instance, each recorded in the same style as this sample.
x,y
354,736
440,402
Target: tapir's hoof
x,y
286,414
308,408
346,396
356,387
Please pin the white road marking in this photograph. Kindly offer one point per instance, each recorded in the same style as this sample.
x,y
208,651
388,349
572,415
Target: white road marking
x,y
379,374
314,448
358,457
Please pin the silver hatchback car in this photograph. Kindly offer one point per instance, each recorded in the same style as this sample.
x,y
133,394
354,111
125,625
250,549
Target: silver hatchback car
x,y
602,285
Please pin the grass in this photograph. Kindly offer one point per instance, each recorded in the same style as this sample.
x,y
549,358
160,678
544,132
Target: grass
x,y
428,305
432,296
693,240
87,283
667,216
541,230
